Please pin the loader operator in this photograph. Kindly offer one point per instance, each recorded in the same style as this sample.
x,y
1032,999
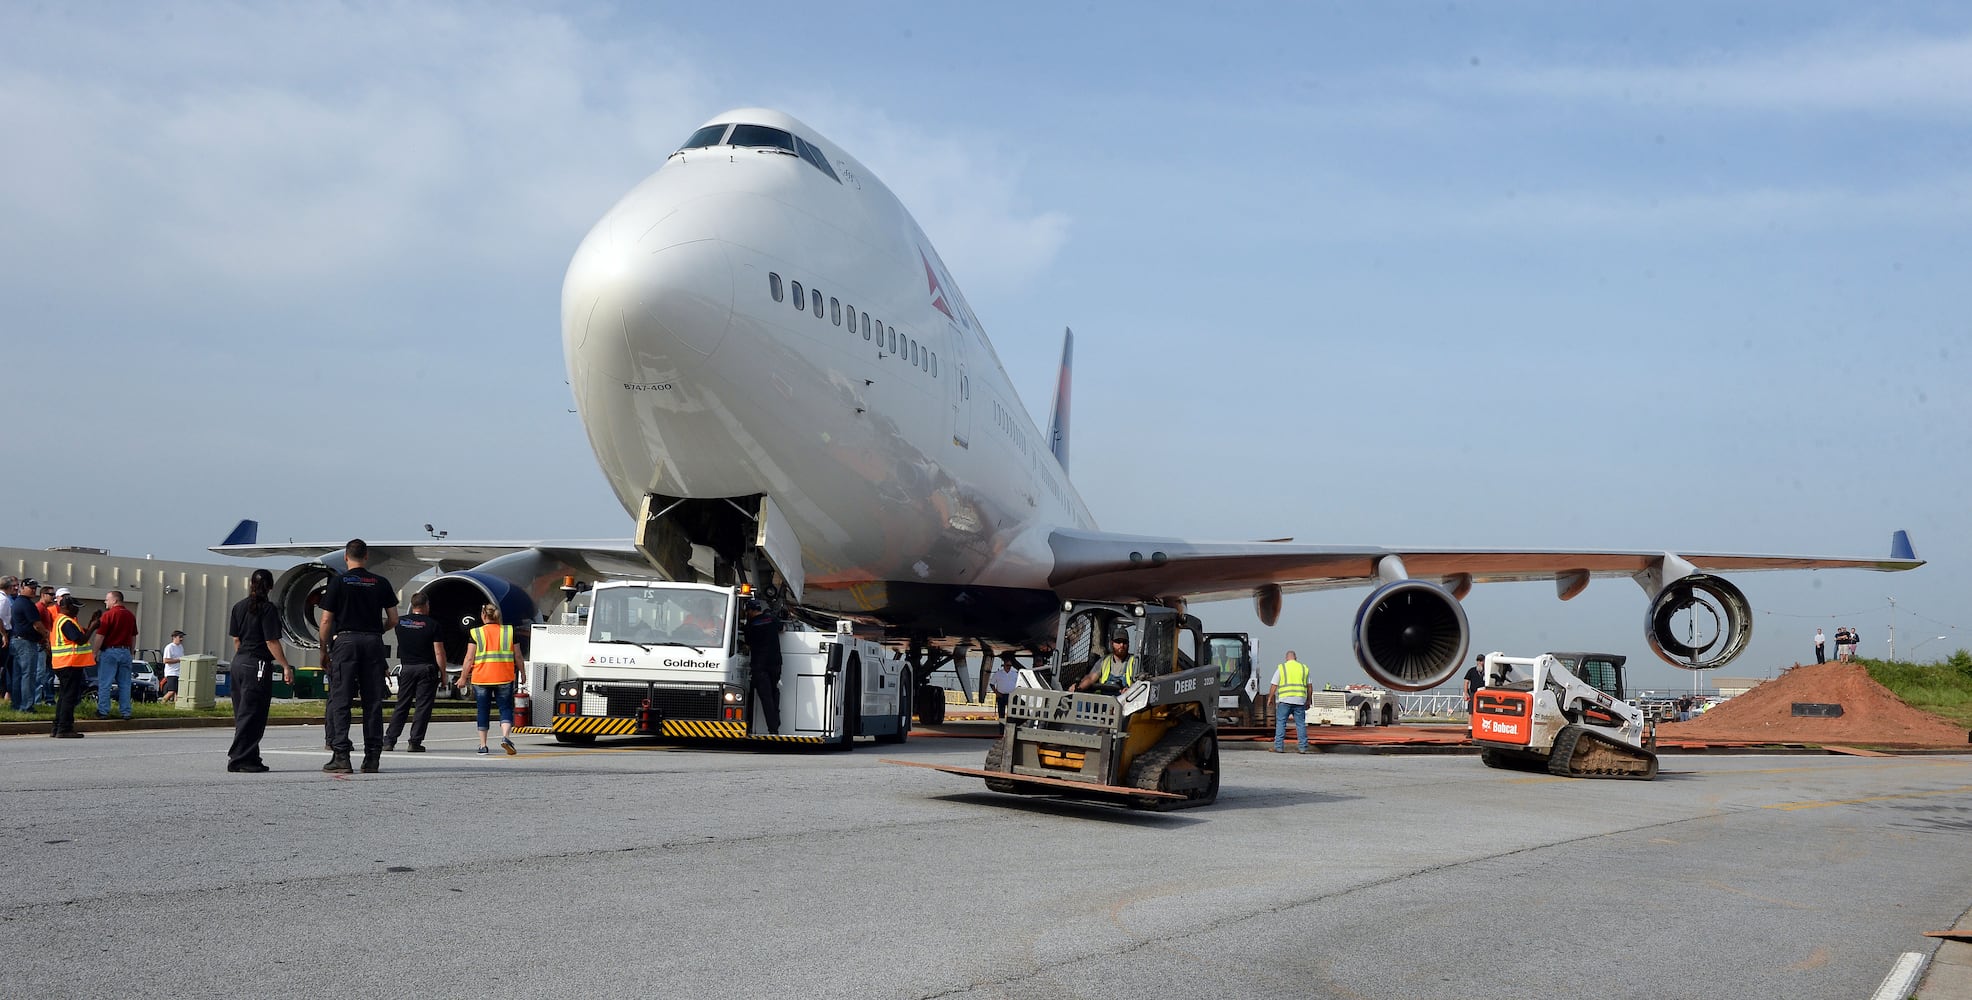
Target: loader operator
x,y
1117,670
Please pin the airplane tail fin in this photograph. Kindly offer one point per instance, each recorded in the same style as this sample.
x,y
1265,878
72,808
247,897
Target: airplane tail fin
x,y
1058,411
247,532
1900,547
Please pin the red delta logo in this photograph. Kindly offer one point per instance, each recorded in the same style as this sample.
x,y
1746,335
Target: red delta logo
x,y
937,293
592,661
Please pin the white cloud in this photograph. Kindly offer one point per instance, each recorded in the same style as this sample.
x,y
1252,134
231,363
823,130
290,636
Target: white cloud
x,y
1905,77
965,191
289,149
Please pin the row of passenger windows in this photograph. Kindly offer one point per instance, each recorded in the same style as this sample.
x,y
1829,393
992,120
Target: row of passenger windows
x,y
760,137
886,337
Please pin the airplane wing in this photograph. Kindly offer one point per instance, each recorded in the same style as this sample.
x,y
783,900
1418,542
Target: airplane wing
x,y
1094,564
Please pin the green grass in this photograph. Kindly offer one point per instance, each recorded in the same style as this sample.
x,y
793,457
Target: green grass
x,y
221,709
1943,688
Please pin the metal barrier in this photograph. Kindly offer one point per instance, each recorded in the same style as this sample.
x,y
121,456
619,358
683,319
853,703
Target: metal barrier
x,y
1429,703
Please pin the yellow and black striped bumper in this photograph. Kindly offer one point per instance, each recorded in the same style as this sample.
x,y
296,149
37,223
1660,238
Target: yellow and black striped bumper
x,y
684,729
595,725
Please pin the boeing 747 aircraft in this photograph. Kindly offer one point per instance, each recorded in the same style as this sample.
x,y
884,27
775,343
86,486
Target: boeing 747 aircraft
x,y
783,383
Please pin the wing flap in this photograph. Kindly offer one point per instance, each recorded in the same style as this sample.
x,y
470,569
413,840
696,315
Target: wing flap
x,y
1092,564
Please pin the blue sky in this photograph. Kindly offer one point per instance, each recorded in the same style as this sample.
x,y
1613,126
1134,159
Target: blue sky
x,y
1691,276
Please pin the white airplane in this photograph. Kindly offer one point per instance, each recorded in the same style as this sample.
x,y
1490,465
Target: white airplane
x,y
782,383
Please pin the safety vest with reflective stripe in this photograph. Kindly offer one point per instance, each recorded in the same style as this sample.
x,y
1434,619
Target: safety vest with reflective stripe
x,y
494,663
62,653
1294,680
1124,676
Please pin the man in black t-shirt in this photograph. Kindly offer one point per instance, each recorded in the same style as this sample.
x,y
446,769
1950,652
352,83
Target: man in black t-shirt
x,y
420,664
1475,679
763,642
358,606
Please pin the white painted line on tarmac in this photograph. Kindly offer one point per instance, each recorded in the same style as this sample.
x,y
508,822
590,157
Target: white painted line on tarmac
x,y
1902,978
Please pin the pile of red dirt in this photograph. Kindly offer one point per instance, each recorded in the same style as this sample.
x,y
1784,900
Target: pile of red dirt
x,y
1870,714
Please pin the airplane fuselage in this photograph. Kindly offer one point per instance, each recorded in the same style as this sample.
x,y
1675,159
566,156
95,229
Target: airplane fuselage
x,y
756,319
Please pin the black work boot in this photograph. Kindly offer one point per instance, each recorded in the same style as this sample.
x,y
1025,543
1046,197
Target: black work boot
x,y
370,758
338,764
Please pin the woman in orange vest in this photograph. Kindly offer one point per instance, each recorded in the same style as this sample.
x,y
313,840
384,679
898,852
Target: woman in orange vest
x,y
69,654
492,665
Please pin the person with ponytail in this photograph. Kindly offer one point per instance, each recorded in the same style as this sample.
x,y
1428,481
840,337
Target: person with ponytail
x,y
255,626
493,665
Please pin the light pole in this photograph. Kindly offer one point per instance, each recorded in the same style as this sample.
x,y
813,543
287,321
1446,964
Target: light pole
x,y
1921,645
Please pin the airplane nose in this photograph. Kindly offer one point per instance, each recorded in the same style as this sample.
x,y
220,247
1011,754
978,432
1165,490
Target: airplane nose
x,y
642,301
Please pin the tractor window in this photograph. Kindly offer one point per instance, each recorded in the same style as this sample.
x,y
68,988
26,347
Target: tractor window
x,y
1085,640
660,615
1603,676
1227,654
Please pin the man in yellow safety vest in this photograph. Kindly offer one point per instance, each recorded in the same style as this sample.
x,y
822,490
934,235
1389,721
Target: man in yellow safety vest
x,y
1290,695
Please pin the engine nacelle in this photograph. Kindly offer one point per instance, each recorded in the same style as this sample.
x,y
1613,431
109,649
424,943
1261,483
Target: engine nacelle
x,y
297,595
1411,635
1717,622
456,599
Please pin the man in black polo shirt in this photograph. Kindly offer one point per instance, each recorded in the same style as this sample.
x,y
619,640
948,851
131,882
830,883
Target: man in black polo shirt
x,y
420,663
357,607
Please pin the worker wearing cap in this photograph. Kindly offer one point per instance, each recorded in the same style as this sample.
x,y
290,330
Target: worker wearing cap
x,y
44,675
72,659
1117,668
174,653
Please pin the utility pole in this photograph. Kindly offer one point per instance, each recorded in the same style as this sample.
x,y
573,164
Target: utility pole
x,y
1893,630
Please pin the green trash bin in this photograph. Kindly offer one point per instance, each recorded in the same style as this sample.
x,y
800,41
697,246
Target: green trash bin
x,y
307,684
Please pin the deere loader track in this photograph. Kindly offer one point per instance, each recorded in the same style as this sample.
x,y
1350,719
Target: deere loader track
x,y
1581,752
996,760
1193,744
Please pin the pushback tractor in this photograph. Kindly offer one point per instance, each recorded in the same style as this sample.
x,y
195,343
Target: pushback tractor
x,y
1145,735
660,659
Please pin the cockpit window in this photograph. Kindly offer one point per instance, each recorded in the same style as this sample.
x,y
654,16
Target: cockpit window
x,y
761,135
707,136
814,156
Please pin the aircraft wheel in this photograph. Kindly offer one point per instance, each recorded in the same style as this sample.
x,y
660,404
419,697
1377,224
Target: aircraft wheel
x,y
931,704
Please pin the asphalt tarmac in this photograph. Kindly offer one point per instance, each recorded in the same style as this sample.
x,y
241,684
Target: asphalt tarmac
x,y
136,866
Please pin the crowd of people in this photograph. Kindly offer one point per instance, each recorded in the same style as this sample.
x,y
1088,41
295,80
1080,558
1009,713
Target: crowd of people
x,y
47,654
47,651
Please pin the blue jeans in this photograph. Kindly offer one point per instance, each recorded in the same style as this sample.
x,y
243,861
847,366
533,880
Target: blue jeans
x,y
44,674
1300,713
25,683
113,670
487,694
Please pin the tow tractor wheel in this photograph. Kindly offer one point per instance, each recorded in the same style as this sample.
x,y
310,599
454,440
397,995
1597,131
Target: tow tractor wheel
x,y
904,691
852,704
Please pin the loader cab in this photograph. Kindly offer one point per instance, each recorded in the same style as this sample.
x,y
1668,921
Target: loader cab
x,y
1162,640
1232,653
1602,671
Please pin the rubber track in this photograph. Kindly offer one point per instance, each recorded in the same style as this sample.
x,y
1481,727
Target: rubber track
x,y
1149,767
996,760
1581,752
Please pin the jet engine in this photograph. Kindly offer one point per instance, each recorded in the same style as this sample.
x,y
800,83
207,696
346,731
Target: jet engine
x,y
1699,622
1411,635
456,599
297,595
